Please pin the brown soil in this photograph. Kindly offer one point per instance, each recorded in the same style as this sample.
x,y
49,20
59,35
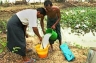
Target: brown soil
x,y
53,57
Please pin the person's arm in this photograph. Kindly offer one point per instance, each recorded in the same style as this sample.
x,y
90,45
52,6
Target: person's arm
x,y
35,29
58,20
59,17
25,26
42,24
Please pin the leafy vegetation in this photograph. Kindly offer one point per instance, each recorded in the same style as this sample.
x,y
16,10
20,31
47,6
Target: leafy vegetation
x,y
81,19
2,40
15,49
2,44
3,25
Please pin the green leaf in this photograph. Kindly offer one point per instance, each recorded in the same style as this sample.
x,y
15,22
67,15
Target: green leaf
x,y
3,44
79,15
1,50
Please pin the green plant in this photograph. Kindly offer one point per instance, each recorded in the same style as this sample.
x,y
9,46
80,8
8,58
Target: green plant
x,y
80,19
2,44
3,25
80,46
15,49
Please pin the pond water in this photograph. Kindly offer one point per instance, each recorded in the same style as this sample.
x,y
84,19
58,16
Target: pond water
x,y
88,40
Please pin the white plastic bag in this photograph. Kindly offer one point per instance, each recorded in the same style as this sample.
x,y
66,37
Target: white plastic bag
x,y
91,58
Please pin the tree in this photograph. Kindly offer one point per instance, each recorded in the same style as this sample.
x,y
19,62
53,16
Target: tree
x,y
24,1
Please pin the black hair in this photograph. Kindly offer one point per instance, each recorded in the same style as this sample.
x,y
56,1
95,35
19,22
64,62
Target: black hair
x,y
42,11
48,2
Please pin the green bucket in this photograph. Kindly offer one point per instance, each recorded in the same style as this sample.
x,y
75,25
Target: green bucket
x,y
54,34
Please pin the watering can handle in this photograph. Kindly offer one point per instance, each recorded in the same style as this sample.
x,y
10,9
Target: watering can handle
x,y
53,29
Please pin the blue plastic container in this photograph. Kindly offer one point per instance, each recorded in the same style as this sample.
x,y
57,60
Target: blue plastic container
x,y
67,52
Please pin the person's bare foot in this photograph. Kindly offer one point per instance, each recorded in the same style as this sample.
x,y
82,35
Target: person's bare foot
x,y
51,49
27,60
30,61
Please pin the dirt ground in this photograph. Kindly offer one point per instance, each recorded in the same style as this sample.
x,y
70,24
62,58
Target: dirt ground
x,y
53,57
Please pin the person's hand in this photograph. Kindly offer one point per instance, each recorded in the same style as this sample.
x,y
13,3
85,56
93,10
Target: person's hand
x,y
40,38
53,27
